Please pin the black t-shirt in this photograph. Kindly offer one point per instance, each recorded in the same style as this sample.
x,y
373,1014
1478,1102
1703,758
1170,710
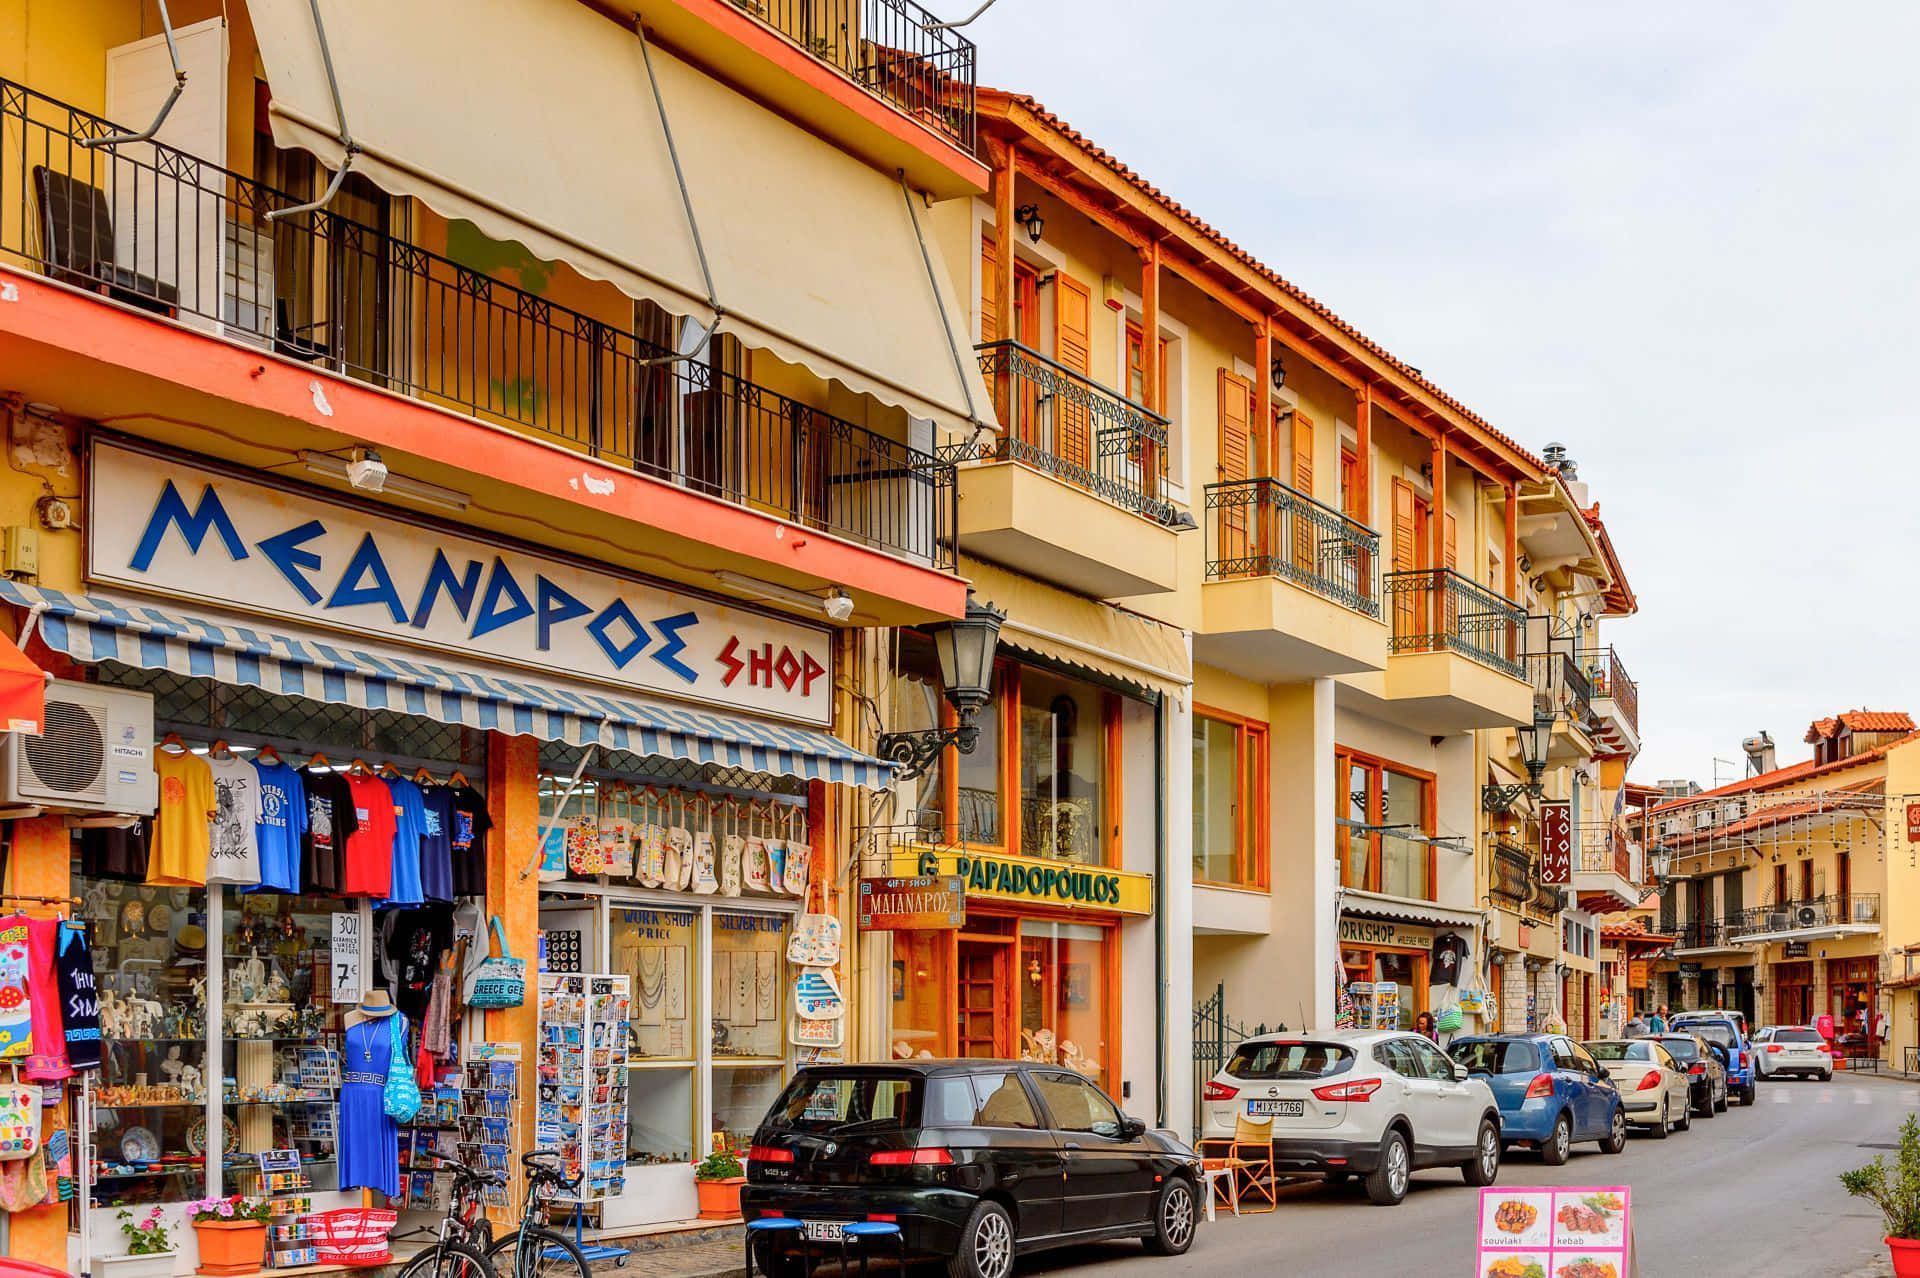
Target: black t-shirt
x,y
330,819
469,834
418,940
1449,956
115,852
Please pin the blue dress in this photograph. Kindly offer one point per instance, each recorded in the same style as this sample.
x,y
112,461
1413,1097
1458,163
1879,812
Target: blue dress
x,y
369,1140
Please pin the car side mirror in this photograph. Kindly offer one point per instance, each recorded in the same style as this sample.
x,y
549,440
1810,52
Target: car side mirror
x,y
1132,1128
1461,1073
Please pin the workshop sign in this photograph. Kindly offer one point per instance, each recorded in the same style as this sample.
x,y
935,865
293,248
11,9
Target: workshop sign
x,y
244,542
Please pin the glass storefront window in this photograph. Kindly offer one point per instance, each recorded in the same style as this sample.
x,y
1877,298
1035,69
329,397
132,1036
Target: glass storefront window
x,y
742,1094
977,798
919,983
1062,767
919,706
1064,997
750,987
659,949
660,1115
1400,970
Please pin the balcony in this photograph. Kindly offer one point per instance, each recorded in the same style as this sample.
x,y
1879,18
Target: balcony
x,y
1292,588
1074,490
159,230
1616,701
1607,868
1561,688
1820,918
1456,658
1700,937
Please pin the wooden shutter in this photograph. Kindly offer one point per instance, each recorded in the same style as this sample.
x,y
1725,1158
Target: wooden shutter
x,y
1405,559
1449,556
989,293
1306,547
1072,348
1236,408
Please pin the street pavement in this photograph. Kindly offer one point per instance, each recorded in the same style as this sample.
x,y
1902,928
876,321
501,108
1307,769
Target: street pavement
x,y
1753,1192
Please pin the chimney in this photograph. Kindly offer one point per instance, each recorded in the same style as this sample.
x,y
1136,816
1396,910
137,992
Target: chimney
x,y
1555,455
1760,754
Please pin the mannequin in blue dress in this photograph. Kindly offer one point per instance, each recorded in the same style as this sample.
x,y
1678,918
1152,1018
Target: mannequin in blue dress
x,y
369,1140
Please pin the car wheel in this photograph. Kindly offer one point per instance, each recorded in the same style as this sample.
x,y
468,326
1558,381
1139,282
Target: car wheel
x,y
1387,1182
1747,1094
1616,1141
1173,1219
1660,1129
1484,1167
1826,1076
1686,1118
1720,1105
986,1245
1555,1148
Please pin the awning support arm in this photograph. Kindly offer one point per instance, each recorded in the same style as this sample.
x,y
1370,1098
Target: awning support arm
x,y
940,305
349,147
686,202
160,117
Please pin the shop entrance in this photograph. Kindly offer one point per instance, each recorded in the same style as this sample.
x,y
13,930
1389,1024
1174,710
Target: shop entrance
x,y
983,1023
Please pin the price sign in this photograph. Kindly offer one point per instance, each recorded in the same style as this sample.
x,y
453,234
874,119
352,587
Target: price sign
x,y
346,986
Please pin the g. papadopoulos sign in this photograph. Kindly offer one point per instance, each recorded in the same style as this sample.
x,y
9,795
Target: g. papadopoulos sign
x,y
189,531
1033,881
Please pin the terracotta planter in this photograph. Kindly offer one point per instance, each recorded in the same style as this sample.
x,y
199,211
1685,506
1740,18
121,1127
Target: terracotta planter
x,y
719,1199
231,1247
1906,1257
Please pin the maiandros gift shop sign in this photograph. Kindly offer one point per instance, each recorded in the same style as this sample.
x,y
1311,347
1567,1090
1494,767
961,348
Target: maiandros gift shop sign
x,y
193,532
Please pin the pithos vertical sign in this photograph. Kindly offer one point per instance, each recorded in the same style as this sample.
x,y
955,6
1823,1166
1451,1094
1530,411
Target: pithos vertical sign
x,y
1556,842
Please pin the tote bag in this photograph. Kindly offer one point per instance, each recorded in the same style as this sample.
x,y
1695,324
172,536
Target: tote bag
x,y
19,1118
502,979
400,1098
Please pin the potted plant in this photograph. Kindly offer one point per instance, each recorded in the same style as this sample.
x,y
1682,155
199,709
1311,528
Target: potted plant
x,y
232,1233
149,1249
717,1179
1896,1192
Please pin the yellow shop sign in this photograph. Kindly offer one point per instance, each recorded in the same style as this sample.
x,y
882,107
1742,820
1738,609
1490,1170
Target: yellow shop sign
x,y
990,876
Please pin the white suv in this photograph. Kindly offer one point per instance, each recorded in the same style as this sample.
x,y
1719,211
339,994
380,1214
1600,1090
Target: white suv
x,y
1792,1049
1375,1103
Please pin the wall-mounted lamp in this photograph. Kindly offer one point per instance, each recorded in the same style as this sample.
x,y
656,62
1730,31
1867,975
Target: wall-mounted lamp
x,y
965,650
1028,216
1533,742
1279,371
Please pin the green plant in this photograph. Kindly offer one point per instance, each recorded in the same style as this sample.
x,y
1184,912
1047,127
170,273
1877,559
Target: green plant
x,y
145,1236
1894,1190
719,1165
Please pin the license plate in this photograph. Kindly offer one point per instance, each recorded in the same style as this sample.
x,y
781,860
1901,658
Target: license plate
x,y
1276,1108
824,1230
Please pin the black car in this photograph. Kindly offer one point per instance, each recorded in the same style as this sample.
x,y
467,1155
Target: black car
x,y
1705,1065
977,1161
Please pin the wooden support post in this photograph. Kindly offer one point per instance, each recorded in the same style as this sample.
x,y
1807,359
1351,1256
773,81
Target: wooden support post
x,y
1437,525
1363,453
1512,558
1268,462
1003,236
513,800
1152,464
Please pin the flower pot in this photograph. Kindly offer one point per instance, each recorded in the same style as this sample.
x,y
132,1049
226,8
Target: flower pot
x,y
719,1199
230,1247
155,1264
1906,1257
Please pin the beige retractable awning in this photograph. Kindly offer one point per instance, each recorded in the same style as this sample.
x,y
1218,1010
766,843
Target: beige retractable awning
x,y
535,120
1083,632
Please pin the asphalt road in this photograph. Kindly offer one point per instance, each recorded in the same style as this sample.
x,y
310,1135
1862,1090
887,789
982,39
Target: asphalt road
x,y
1753,1192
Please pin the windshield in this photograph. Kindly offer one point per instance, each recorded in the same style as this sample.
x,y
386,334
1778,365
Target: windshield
x,y
1496,1056
1797,1036
1718,1033
1681,1049
1621,1051
832,1101
1262,1061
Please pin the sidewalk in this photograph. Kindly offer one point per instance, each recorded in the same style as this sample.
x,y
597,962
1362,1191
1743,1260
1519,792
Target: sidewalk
x,y
720,1259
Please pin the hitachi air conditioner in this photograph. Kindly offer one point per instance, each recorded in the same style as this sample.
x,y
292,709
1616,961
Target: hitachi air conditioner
x,y
96,754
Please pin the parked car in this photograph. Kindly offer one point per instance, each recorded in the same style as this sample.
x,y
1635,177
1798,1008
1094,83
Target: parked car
x,y
978,1161
1551,1092
1726,1030
1375,1103
1705,1067
1792,1049
1656,1090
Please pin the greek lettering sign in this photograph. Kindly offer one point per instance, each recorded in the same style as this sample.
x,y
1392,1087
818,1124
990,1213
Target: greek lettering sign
x,y
1031,880
1638,971
1556,842
191,531
1913,822
911,905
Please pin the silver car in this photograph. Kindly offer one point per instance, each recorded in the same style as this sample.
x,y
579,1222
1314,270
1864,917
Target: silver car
x,y
1779,1050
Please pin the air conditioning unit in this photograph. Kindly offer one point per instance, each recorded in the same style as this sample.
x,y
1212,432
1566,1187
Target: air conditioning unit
x,y
96,754
1807,916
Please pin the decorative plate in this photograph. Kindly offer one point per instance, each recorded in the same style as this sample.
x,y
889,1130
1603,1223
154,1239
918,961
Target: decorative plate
x,y
140,1145
132,915
159,919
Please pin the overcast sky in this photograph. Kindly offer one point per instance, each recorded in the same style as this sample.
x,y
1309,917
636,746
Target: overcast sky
x,y
1683,239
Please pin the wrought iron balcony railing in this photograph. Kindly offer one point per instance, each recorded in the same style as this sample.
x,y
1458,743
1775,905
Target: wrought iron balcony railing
x,y
1700,936
1263,528
1513,878
892,48
1560,684
162,230
1610,680
1065,423
1603,848
1848,908
1438,610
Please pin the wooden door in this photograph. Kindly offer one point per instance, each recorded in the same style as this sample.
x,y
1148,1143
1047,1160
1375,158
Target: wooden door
x,y
981,981
1236,514
1018,412
1072,349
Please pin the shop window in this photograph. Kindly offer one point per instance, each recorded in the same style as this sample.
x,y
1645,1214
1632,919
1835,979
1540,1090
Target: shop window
x,y
659,950
1064,998
918,706
979,803
1062,767
1384,839
919,981
1229,809
741,1096
749,985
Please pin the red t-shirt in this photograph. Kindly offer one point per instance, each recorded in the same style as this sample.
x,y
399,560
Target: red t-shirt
x,y
369,868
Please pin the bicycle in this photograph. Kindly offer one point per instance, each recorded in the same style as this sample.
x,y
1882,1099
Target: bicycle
x,y
535,1250
459,1249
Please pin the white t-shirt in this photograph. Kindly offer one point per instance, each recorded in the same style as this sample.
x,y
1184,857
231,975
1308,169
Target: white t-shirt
x,y
233,854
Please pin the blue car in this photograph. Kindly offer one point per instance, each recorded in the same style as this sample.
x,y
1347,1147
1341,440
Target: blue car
x,y
1550,1090
1726,1031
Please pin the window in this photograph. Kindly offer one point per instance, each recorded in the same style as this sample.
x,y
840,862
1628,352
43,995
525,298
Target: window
x,y
658,950
1387,824
1430,1060
1265,1062
1000,1101
1076,1105
917,707
825,1102
1495,1056
1229,800
1394,1055
1064,996
978,799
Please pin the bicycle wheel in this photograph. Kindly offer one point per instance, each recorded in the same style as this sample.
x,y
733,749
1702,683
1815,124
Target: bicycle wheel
x,y
544,1254
447,1260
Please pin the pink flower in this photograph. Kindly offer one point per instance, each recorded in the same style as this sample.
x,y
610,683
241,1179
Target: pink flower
x,y
226,1209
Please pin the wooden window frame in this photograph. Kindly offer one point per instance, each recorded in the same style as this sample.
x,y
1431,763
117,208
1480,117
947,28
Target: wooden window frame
x,y
1250,864
1345,759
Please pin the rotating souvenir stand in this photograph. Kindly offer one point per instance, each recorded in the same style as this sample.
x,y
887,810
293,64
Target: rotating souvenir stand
x,y
581,1111
284,1183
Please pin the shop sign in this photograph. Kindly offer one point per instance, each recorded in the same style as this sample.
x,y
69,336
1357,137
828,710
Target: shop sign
x,y
196,532
345,957
912,905
1638,971
1690,971
1913,822
1794,949
1030,880
1385,932
1556,842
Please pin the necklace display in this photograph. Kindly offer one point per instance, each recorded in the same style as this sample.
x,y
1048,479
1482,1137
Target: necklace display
x,y
653,975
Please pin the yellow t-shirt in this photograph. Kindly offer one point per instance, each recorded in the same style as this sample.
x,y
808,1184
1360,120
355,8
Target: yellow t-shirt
x,y
180,832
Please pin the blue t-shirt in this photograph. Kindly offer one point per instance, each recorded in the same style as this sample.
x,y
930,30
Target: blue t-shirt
x,y
409,827
282,824
436,847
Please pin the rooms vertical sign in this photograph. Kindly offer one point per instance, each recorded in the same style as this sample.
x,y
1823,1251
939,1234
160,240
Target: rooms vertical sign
x,y
1556,842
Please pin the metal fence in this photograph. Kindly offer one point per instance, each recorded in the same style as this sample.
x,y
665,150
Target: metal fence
x,y
1438,610
1263,528
1215,1035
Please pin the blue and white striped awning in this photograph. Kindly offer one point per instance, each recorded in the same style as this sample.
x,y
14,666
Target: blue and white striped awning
x,y
92,628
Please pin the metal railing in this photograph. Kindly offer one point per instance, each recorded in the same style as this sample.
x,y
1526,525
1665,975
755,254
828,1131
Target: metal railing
x,y
1610,680
1701,936
892,48
1263,528
1070,426
1812,912
159,229
1438,610
1215,1036
1512,874
1605,849
1560,684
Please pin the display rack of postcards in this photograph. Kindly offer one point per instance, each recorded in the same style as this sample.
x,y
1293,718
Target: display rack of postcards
x,y
284,1183
489,1094
582,1107
432,1136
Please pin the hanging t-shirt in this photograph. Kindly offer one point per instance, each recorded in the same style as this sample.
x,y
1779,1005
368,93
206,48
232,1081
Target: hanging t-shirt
x,y
283,820
368,868
436,844
330,823
116,852
469,837
178,855
1449,956
409,827
234,854
79,996
416,942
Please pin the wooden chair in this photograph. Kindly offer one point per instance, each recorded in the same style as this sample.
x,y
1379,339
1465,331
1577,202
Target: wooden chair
x,y
1248,1158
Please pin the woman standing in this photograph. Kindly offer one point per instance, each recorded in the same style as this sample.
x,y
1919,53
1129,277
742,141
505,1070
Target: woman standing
x,y
1423,1026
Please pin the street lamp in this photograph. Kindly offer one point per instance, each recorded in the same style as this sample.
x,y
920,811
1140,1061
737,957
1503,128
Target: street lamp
x,y
965,650
1660,860
1534,741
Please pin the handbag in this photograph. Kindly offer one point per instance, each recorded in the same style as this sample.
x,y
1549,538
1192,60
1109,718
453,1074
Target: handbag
x,y
19,1118
400,1098
502,978
1448,1020
815,940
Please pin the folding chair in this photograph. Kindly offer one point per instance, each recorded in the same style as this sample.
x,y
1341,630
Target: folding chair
x,y
77,243
1252,1153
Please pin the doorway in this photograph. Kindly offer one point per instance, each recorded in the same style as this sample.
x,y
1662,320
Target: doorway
x,y
981,1027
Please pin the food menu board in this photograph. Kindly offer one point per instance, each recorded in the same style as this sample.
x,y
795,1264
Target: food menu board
x,y
1555,1233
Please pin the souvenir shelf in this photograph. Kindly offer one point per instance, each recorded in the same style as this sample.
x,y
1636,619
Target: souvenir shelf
x,y
582,1108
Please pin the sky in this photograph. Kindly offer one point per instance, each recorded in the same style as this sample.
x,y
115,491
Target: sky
x,y
1682,239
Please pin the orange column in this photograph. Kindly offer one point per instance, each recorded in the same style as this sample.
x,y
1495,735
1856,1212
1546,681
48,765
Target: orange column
x,y
513,801
1363,452
1437,525
1513,542
42,857
1267,463
1004,238
1151,462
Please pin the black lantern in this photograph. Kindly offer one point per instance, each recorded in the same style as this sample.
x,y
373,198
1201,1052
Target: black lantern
x,y
1534,740
965,649
1279,371
1028,216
